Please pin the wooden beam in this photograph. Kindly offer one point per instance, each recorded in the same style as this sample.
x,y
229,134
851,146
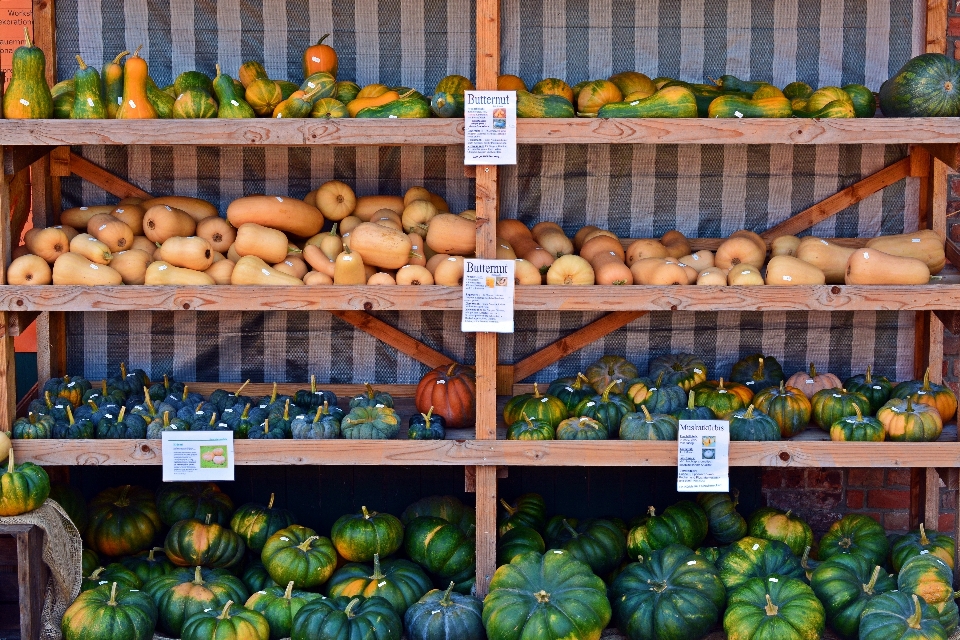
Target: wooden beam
x,y
104,179
486,484
51,345
950,320
936,26
573,342
394,337
931,499
60,162
939,193
15,159
45,35
840,201
949,154
20,204
8,385
952,249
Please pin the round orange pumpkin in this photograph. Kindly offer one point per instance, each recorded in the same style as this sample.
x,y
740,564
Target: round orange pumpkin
x,y
509,82
595,94
553,87
452,392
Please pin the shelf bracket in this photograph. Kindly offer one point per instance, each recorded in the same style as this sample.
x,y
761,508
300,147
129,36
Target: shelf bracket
x,y
395,338
104,179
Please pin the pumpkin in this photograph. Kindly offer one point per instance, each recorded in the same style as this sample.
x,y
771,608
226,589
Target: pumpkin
x,y
787,406
771,523
325,424
517,541
773,609
644,426
298,554
448,508
830,405
123,521
256,578
637,389
719,400
320,57
452,392
900,616
192,542
442,549
811,382
758,372
399,582
184,593
266,432
347,619
571,392
70,389
553,87
693,412
725,524
371,398
752,557
110,613
527,429
426,426
937,396
876,389
594,95
607,408
359,537
845,584
664,398
279,607
23,487
529,511
927,576
904,421
254,523
681,369
184,500
70,429
112,573
920,542
582,428
741,390
753,425
599,543
538,407
548,597
370,423
609,369
681,523
444,615
673,594
857,428
149,564
857,534
33,427
313,398
240,624
89,561
928,85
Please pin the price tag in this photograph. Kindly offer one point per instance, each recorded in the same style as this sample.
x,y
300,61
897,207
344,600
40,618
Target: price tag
x,y
703,461
487,296
197,455
490,127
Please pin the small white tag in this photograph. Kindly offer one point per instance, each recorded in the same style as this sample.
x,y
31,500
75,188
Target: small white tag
x,y
392,117
634,103
285,538
809,381
787,278
102,227
90,101
162,267
698,371
914,239
24,102
755,547
133,105
279,199
84,208
924,552
824,242
234,103
445,382
866,256
877,387
381,584
558,552
93,266
774,580
264,272
119,100
691,563
738,114
315,59
591,404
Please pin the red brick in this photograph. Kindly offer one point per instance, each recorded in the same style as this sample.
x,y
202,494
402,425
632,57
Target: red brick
x,y
772,478
794,478
955,190
898,477
951,344
865,477
825,479
888,499
896,521
854,499
948,523
953,27
954,386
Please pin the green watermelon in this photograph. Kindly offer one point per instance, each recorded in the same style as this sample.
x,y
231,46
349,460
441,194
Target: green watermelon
x,y
927,86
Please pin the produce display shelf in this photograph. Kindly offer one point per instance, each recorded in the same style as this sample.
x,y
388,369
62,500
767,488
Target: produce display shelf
x,y
449,131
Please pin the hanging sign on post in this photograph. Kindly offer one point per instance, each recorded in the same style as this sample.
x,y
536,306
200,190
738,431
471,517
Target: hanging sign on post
x,y
703,461
487,296
490,127
197,455
14,16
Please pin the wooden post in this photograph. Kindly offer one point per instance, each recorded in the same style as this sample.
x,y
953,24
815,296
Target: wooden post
x,y
936,26
8,385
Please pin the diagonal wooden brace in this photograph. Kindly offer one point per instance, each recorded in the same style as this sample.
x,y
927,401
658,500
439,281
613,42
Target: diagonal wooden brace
x,y
104,179
395,338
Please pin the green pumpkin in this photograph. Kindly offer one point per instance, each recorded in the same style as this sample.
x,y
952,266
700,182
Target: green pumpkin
x,y
314,398
114,572
444,615
527,429
263,96
371,398
267,431
298,554
664,398
758,372
776,608
325,425
88,94
681,523
643,426
674,595
324,84
788,407
195,103
548,408
582,428
442,549
149,564
571,392
599,543
925,392
329,108
857,534
904,421
70,429
829,405
232,623
123,521
752,557
122,426
857,428
900,616
726,525
279,606
184,593
719,399
359,537
682,369
185,500
845,584
927,576
448,508
926,86
192,80
33,427
771,523
399,582
356,618
529,511
693,412
370,423
254,523
346,91
751,424
427,426
110,613
89,562
190,543
948,613
517,541
548,597
920,542
607,408
876,390
610,369
256,578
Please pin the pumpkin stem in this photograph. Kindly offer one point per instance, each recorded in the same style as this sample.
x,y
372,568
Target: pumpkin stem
x,y
646,412
92,404
123,410
83,65
186,391
573,532
103,386
914,621
70,414
237,393
207,521
735,496
147,401
659,379
690,398
651,511
96,573
322,38
926,380
366,514
427,415
10,462
606,392
47,399
924,540
909,405
288,594
316,418
122,500
536,390
868,588
225,615
783,387
370,390
197,576
273,394
866,378
450,371
113,595
123,365
353,603
542,597
307,543
166,418
445,600
720,385
123,54
246,412
333,231
32,417
150,554
805,558
749,414
286,410
527,419
136,52
771,608
759,374
313,383
266,425
506,505
377,573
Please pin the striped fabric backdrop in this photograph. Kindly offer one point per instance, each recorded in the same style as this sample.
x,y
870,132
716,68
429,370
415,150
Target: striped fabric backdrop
x,y
635,190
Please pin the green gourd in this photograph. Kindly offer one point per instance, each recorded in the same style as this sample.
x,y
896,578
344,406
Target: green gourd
x,y
88,100
296,106
27,95
63,104
329,108
323,81
161,100
113,84
231,101
669,102
728,106
410,105
195,103
729,83
192,80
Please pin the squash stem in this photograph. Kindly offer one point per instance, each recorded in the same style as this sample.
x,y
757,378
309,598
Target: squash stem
x,y
48,399
366,514
867,378
651,511
322,38
914,621
606,392
926,380
353,603
370,391
136,52
813,371
690,398
26,37
122,500
868,588
377,573
510,510
225,614
856,408
646,412
207,520
536,390
427,415
246,412
96,574
542,597
772,609
305,546
123,410
241,388
70,414
288,594
270,504
573,532
286,410
120,56
10,462
924,540
749,414
148,402
273,395
735,496
759,374
113,595
316,417
313,384
150,554
197,576
445,600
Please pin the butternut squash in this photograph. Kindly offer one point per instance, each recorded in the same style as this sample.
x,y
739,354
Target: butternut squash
x,y
329,243
232,254
49,243
692,273
251,270
77,217
750,235
537,256
289,215
417,255
417,215
112,232
826,256
317,260
555,242
348,268
453,235
218,232
315,278
217,256
734,252
601,244
414,194
579,237
744,275
73,268
505,251
524,273
434,260
643,269
449,272
644,248
29,270
270,245
599,232
163,221
221,271
609,269
162,273
294,266
439,203
196,208
872,266
91,249
700,260
387,218
925,245
545,225
784,246
667,273
335,200
143,244
131,265
412,274
512,231
67,229
469,214
382,278
311,198
192,252
348,224
676,243
355,105
131,215
570,270
369,205
788,270
369,272
380,246
712,276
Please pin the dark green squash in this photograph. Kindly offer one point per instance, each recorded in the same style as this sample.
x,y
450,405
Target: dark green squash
x,y
858,534
608,408
88,96
776,608
231,101
347,619
829,405
758,372
184,593
664,398
255,523
232,623
279,606
771,523
926,86
185,500
256,578
114,572
693,412
399,582
857,428
448,508
927,576
845,584
110,612
371,398
919,542
33,427
266,432
359,537
123,521
682,369
644,426
582,428
726,525
28,95
370,423
71,429
599,543
298,554
681,523
527,429
571,392
752,557
787,406
876,389
325,425
148,565
121,426
538,407
751,424
529,510
610,369
718,399
314,398
900,616
442,549
517,541
427,426
938,396
191,543
194,103
444,615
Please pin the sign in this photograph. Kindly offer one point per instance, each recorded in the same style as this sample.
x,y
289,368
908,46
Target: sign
x,y
487,296
703,461
490,127
197,455
14,16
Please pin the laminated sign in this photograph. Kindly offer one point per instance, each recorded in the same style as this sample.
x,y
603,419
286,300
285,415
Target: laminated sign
x,y
14,16
487,296
490,127
197,455
703,460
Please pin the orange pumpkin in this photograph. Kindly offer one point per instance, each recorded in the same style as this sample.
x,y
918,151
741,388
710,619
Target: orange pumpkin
x,y
509,82
452,392
554,87
320,57
811,382
594,95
